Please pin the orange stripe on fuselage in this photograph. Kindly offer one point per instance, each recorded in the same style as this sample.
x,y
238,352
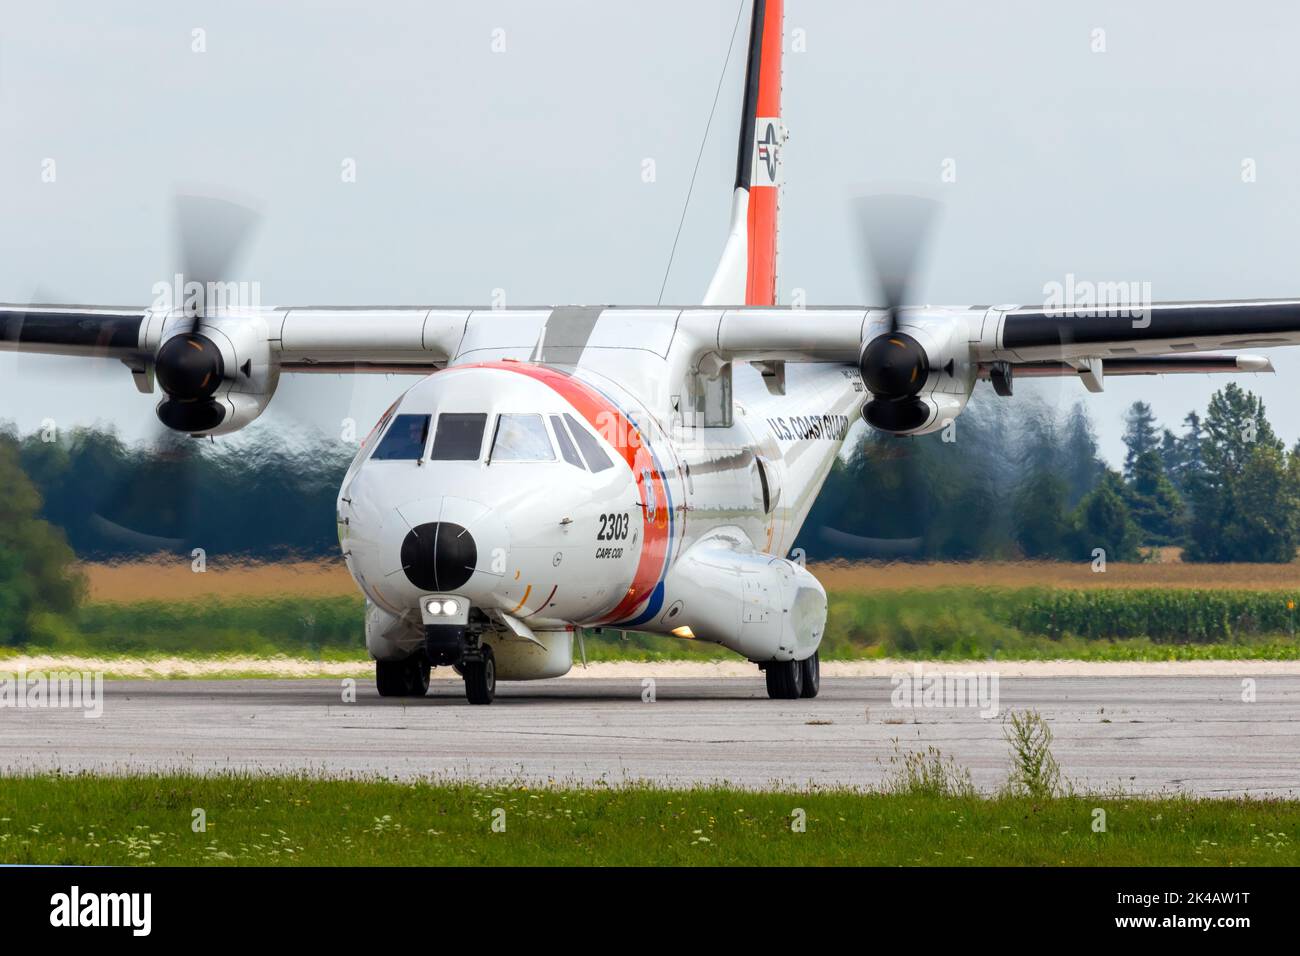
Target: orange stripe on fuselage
x,y
545,601
612,425
527,591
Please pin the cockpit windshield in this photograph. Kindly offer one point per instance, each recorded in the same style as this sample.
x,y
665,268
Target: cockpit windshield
x,y
516,436
459,436
405,439
521,437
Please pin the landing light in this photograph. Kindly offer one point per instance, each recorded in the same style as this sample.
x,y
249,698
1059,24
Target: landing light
x,y
438,607
683,631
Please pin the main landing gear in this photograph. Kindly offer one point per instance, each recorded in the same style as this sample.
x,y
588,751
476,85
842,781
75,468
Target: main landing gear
x,y
790,680
408,678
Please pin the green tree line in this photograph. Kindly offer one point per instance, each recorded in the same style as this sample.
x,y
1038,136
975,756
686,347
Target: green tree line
x,y
114,500
87,495
1004,483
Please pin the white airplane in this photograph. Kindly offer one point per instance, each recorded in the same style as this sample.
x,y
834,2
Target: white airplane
x,y
631,468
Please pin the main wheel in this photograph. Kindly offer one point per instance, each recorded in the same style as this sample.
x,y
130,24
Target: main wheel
x,y
812,676
481,678
408,678
784,680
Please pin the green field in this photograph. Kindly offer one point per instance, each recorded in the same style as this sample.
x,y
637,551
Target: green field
x,y
298,821
952,623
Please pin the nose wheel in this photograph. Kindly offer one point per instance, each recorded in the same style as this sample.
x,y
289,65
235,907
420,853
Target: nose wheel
x,y
480,676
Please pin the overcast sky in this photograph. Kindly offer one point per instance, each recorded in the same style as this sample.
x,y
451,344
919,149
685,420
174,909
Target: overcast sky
x,y
522,169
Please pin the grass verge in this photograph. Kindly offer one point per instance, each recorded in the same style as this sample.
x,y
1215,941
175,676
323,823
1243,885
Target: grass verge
x,y
260,820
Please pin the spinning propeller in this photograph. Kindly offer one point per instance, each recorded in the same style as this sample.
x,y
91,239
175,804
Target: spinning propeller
x,y
210,233
893,230
152,508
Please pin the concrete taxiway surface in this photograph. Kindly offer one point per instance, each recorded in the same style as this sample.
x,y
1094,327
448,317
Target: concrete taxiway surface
x,y
1141,733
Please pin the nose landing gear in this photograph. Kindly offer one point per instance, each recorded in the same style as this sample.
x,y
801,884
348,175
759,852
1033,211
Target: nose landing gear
x,y
408,678
480,676
461,647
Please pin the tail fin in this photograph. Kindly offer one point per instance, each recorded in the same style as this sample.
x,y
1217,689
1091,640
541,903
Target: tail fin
x,y
746,273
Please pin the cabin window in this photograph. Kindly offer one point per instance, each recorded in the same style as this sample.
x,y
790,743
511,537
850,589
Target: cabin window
x,y
405,439
597,460
459,436
567,450
521,438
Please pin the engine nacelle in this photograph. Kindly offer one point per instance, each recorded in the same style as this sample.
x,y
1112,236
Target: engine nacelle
x,y
240,410
934,412
217,376
938,350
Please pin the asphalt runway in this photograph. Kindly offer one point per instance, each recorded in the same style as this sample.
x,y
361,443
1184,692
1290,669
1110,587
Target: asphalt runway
x,y
1144,734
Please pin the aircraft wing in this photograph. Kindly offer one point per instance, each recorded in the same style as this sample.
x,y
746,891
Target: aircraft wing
x,y
1034,339
219,372
90,331
330,339
1034,334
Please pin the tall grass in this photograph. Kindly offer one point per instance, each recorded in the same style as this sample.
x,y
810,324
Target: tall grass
x,y
928,773
1197,616
958,623
311,627
982,623
1034,770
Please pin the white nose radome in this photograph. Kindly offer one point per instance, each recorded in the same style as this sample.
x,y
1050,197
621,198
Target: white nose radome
x,y
442,545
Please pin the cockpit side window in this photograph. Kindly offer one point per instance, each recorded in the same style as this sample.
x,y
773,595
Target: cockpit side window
x,y
521,437
405,439
380,425
459,436
597,460
566,443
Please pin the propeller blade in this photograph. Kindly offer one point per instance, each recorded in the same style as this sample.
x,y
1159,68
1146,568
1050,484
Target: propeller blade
x,y
893,230
211,232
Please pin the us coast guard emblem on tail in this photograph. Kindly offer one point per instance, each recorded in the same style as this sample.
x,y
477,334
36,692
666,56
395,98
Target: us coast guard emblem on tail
x,y
768,137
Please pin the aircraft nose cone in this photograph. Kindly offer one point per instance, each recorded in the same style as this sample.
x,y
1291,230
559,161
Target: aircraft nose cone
x,y
439,556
